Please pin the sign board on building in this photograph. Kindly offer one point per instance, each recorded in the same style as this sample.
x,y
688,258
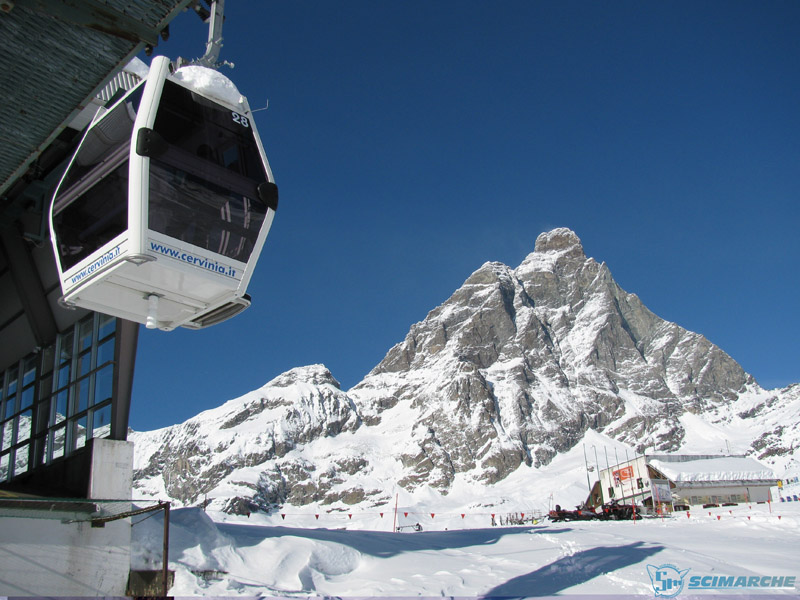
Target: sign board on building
x,y
661,491
623,475
626,480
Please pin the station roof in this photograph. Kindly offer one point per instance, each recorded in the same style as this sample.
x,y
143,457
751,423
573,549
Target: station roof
x,y
712,469
56,57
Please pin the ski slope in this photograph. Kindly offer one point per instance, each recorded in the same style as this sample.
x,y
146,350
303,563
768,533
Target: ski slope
x,y
748,543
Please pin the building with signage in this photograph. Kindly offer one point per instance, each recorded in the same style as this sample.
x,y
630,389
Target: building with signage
x,y
667,479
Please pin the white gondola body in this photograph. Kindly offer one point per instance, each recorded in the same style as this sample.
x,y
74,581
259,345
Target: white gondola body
x,y
166,227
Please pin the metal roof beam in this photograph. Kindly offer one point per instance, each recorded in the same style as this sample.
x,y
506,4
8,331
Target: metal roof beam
x,y
29,286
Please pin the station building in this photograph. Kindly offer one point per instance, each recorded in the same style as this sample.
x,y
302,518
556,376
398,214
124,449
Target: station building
x,y
668,479
66,375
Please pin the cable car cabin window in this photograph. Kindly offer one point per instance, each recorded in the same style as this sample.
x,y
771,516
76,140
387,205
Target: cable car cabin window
x,y
201,213
93,219
91,208
204,180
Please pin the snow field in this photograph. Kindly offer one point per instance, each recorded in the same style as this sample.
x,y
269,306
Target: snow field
x,y
243,559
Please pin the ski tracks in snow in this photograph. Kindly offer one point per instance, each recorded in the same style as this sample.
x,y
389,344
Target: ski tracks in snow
x,y
590,557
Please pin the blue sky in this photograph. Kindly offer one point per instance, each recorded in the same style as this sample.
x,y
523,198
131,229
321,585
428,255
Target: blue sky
x,y
413,141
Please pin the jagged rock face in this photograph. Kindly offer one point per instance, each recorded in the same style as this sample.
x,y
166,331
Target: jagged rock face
x,y
519,363
777,415
511,370
192,458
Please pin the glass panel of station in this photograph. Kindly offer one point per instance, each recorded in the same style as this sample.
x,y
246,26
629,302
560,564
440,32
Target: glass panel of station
x,y
54,401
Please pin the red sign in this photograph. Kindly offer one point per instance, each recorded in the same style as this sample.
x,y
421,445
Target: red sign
x,y
623,474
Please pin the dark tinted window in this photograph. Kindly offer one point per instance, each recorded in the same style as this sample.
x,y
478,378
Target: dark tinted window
x,y
209,131
93,219
91,207
203,187
191,209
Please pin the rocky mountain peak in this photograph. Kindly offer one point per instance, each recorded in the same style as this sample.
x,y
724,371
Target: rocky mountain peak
x,y
559,240
311,374
558,272
489,273
519,363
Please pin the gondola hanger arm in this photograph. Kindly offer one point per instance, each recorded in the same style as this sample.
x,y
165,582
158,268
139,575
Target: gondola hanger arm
x,y
215,18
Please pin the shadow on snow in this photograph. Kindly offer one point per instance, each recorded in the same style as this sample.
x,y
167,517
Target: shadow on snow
x,y
573,570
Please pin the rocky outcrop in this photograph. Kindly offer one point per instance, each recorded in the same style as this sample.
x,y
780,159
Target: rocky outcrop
x,y
191,459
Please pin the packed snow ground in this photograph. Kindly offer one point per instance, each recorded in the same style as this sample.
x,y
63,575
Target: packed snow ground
x,y
352,551
241,558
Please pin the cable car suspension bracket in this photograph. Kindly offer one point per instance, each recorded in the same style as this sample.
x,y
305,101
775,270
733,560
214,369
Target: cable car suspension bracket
x,y
215,17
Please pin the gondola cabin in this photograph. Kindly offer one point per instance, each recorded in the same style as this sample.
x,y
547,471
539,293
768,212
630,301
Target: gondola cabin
x,y
163,210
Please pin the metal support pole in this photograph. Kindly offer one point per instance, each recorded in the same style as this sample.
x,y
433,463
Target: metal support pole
x,y
586,466
214,43
165,556
599,480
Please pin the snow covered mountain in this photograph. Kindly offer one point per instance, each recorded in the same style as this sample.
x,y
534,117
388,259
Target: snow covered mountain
x,y
516,368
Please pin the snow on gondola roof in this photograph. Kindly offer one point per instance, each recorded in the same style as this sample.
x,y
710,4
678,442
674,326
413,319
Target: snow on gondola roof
x,y
209,83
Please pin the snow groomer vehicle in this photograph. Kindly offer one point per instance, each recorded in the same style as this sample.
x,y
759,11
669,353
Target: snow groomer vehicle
x,y
616,510
610,511
581,513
